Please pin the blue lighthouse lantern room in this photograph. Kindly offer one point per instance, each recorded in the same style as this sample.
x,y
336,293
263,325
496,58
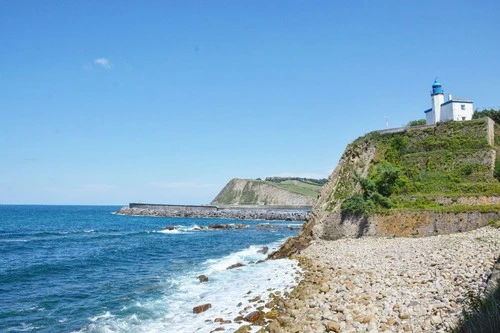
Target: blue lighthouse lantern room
x,y
436,87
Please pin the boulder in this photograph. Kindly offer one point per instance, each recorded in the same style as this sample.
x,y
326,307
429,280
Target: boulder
x,y
220,226
255,317
203,278
170,227
243,329
264,250
202,308
273,327
235,266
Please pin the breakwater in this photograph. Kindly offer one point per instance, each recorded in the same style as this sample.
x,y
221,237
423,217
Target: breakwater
x,y
287,213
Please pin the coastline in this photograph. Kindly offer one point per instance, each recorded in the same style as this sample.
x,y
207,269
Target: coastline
x,y
377,284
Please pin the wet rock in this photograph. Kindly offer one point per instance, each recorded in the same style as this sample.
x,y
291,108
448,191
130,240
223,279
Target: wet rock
x,y
235,266
254,317
202,278
170,227
220,226
264,250
202,308
263,226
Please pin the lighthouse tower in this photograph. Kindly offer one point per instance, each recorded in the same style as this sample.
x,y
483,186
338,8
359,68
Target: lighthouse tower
x,y
437,99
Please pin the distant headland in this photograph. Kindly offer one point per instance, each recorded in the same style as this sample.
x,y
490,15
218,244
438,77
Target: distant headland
x,y
275,198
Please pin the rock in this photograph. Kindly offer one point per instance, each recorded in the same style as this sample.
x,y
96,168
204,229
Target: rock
x,y
332,326
273,327
170,227
435,320
265,227
368,318
241,226
263,250
217,329
273,314
404,315
255,299
324,288
220,226
202,278
254,317
238,319
235,266
243,329
202,308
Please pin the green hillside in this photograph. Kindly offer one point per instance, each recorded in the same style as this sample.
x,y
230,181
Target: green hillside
x,y
272,191
305,186
426,168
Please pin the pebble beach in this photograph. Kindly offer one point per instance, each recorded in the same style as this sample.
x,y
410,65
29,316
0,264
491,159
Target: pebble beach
x,y
388,284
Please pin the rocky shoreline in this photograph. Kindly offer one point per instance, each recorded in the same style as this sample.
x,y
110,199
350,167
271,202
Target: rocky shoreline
x,y
219,213
388,284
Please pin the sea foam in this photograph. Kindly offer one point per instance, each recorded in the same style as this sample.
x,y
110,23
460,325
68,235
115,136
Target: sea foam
x,y
228,291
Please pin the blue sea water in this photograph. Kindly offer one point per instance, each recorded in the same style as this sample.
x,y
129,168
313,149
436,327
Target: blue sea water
x,y
85,269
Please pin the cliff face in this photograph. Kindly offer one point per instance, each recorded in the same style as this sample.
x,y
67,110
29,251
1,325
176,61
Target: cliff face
x,y
447,185
258,192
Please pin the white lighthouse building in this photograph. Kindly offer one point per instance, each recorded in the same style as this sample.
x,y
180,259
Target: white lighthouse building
x,y
456,109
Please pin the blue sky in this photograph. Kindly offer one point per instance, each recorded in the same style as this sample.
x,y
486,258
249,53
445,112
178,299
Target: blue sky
x,y
110,102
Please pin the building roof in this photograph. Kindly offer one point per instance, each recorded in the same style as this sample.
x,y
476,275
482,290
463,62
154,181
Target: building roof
x,y
460,101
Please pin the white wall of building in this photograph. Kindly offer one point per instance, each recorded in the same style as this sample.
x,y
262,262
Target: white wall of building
x,y
429,118
462,111
447,112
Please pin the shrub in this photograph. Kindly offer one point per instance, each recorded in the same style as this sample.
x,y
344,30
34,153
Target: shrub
x,y
419,122
357,204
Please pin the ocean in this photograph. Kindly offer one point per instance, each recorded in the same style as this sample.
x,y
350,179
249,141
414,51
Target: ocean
x,y
85,269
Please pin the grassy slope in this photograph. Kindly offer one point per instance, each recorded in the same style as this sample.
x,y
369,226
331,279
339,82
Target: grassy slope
x,y
249,197
300,187
450,160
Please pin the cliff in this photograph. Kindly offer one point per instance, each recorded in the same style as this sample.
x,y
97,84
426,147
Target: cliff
x,y
260,192
409,182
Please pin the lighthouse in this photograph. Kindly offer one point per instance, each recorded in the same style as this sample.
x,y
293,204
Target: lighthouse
x,y
437,97
455,109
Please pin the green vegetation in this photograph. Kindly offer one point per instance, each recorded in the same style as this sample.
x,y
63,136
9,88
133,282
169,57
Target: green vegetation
x,y
419,122
376,190
417,168
492,113
481,315
494,224
305,186
318,182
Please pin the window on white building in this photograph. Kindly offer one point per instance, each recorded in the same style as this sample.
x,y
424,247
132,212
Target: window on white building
x,y
462,106
463,118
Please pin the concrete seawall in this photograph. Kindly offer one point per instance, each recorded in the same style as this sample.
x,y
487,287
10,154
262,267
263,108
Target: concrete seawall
x,y
287,213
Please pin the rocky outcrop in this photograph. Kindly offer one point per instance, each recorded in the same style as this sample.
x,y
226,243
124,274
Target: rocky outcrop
x,y
258,192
